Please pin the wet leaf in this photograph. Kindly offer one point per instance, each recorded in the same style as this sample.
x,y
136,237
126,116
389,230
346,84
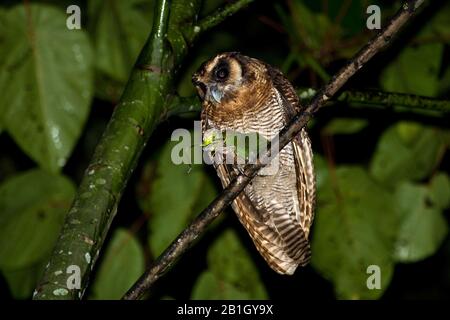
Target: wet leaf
x,y
32,209
121,266
46,82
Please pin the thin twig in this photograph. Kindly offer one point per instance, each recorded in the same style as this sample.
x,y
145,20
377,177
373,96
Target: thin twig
x,y
216,18
186,238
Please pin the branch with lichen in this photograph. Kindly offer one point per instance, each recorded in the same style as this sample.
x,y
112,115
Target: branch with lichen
x,y
188,236
353,98
408,102
139,111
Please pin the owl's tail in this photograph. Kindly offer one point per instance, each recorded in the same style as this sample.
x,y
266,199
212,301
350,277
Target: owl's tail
x,y
283,249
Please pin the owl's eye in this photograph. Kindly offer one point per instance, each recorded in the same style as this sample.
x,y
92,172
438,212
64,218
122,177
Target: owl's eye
x,y
222,73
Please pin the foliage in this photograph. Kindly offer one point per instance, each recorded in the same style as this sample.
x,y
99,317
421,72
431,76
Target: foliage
x,y
383,177
123,253
46,81
172,206
227,278
32,206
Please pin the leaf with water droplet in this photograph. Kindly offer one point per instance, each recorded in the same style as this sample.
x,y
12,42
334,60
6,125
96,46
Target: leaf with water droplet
x,y
44,68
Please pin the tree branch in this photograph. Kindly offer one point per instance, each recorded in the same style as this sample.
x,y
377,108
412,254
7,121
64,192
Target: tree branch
x,y
186,238
216,18
410,102
95,204
355,98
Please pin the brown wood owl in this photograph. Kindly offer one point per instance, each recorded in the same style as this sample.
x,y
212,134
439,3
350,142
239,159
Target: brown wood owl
x,y
246,95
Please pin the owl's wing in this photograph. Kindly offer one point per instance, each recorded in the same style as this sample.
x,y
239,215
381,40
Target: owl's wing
x,y
282,254
281,257
285,88
306,183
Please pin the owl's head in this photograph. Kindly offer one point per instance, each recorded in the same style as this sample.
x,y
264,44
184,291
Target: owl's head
x,y
224,77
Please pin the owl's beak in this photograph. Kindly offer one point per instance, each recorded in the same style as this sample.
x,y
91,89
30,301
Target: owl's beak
x,y
200,86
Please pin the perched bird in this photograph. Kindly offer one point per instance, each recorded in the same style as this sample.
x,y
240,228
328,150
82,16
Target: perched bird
x,y
246,95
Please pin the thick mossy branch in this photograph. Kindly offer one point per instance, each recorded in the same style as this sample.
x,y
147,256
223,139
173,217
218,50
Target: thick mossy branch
x,y
182,243
115,157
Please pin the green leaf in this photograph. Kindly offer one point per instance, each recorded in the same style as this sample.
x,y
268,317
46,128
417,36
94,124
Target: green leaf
x,y
322,179
119,30
355,16
231,274
209,286
406,75
22,282
406,151
444,83
345,126
172,195
121,266
439,190
310,27
32,209
438,27
46,82
354,230
422,227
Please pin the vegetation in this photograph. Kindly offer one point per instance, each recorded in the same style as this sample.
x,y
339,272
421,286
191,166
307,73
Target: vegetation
x,y
381,148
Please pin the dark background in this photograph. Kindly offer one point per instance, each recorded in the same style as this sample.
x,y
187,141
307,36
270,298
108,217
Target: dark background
x,y
308,54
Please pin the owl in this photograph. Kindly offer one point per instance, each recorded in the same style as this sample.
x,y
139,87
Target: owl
x,y
246,95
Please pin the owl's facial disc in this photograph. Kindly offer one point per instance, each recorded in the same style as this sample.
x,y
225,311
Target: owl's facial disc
x,y
217,79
